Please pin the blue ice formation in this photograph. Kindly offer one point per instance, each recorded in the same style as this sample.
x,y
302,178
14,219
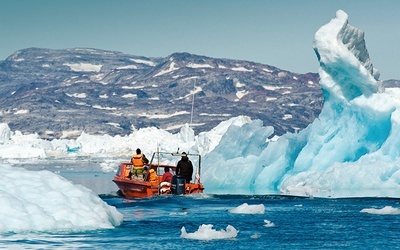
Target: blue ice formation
x,y
351,149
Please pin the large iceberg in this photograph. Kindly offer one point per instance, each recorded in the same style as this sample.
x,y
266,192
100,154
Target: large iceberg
x,y
351,149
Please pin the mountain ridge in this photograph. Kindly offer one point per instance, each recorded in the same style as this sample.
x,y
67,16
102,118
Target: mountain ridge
x,y
60,93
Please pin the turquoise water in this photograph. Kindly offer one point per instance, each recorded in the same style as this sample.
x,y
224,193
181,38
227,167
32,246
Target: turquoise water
x,y
300,223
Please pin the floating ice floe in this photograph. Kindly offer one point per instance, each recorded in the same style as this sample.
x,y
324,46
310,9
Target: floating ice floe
x,y
206,232
248,209
384,211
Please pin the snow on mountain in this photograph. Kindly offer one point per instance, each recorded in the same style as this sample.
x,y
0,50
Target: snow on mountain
x,y
87,90
84,67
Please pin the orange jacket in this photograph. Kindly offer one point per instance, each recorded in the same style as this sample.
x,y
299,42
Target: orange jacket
x,y
153,175
137,161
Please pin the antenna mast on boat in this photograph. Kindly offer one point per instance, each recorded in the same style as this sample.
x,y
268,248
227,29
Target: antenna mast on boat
x,y
191,113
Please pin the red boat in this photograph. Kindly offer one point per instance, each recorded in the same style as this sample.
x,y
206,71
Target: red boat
x,y
134,188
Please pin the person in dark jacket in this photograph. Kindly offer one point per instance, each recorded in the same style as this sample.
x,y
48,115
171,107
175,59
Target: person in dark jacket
x,y
185,168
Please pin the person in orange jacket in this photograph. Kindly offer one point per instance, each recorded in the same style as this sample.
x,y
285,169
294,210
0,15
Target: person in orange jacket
x,y
138,160
153,175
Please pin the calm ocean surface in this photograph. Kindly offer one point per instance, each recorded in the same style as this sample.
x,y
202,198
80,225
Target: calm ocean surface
x,y
300,223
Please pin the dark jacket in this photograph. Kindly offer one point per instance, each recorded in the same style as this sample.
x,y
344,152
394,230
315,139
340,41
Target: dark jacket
x,y
185,168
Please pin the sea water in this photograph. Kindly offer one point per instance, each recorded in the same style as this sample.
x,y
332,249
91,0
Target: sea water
x,y
298,223
156,223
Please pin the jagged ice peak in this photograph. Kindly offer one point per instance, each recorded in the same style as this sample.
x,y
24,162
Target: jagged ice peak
x,y
346,70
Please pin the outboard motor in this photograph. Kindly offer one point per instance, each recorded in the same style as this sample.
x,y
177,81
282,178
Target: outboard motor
x,y
178,184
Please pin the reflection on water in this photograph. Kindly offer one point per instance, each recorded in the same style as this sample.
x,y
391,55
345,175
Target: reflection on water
x,y
98,182
87,172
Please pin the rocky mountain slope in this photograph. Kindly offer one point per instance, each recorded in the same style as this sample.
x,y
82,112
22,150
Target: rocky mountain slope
x,y
60,93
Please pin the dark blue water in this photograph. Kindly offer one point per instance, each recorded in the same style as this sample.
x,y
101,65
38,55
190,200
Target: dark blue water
x,y
301,223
